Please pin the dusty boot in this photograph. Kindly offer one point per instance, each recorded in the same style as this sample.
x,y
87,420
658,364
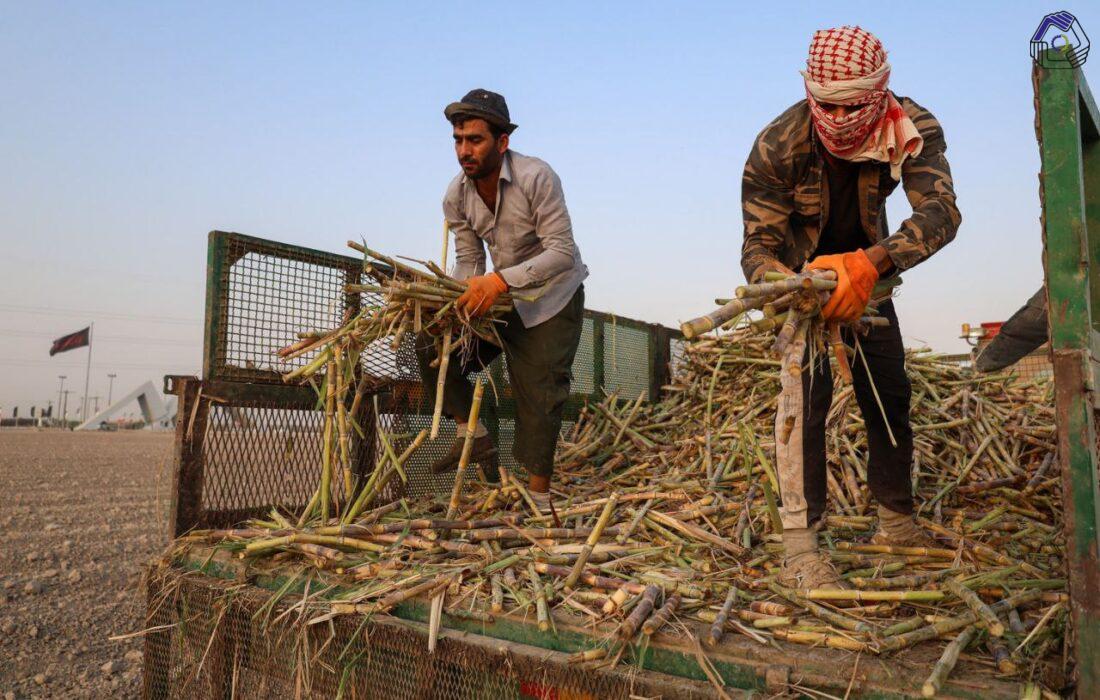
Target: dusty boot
x,y
804,565
542,500
484,452
900,530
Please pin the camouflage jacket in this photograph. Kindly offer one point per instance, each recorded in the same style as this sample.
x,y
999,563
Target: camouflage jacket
x,y
785,195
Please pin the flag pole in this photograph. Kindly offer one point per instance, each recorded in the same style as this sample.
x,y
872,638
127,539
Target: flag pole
x,y
87,374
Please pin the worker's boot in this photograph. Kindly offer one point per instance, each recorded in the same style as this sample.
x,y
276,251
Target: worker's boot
x,y
538,486
806,566
542,500
900,530
484,452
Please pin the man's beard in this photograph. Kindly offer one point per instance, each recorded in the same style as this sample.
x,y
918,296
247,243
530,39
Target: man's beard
x,y
484,170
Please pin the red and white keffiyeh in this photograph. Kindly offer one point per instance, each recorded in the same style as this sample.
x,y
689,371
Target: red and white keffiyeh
x,y
847,66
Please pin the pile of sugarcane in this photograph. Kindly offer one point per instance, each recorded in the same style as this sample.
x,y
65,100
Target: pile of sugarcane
x,y
666,522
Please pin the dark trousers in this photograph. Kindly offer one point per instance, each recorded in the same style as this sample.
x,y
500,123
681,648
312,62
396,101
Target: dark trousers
x,y
802,466
539,361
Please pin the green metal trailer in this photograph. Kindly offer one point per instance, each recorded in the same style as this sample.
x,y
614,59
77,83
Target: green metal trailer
x,y
245,441
1067,125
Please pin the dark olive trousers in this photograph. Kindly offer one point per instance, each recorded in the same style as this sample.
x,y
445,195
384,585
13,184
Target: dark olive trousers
x,y
539,361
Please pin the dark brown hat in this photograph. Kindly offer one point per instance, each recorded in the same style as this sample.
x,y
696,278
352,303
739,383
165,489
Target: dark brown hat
x,y
482,104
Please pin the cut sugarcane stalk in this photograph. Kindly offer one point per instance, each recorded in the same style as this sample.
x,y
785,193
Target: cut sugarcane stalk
x,y
434,620
444,361
467,447
993,625
947,662
858,595
326,444
650,626
639,614
820,638
446,241
728,311
588,655
714,635
773,289
593,538
840,352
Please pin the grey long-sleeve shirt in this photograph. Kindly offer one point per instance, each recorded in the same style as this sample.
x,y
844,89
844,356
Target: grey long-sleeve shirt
x,y
530,236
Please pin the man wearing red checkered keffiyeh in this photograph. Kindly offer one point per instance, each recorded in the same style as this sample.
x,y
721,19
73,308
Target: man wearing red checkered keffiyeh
x,y
814,193
847,67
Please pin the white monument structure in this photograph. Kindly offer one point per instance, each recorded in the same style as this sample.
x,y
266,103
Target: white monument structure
x,y
158,413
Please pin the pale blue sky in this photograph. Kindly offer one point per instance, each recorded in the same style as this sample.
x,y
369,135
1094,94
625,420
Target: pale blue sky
x,y
132,129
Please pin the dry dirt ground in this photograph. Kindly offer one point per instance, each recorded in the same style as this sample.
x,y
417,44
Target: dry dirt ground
x,y
79,514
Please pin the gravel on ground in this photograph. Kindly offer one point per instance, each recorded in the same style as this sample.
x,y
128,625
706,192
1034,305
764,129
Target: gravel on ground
x,y
80,513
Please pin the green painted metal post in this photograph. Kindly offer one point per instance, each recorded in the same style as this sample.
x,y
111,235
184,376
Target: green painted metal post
x,y
214,329
1090,155
1071,241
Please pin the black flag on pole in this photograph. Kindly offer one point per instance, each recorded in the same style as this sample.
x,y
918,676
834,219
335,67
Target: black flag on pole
x,y
71,341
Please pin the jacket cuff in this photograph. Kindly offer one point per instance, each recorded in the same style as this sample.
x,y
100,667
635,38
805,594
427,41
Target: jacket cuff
x,y
516,277
902,252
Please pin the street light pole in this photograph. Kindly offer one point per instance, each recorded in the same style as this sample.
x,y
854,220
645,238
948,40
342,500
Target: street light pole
x,y
65,410
110,387
60,389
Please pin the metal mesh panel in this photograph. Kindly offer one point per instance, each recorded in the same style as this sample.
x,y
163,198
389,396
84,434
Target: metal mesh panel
x,y
626,364
264,293
1035,366
273,298
420,478
260,295
214,639
260,456
257,455
584,376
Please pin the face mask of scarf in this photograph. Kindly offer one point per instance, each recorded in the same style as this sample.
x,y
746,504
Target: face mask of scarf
x,y
844,136
847,66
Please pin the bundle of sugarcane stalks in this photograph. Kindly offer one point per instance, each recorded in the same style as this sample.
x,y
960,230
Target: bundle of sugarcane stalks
x,y
791,305
666,522
411,301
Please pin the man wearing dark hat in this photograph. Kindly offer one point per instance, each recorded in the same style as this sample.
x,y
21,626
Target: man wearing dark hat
x,y
513,204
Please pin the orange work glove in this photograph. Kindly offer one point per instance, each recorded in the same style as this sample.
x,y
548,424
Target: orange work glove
x,y
855,278
481,293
